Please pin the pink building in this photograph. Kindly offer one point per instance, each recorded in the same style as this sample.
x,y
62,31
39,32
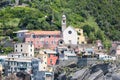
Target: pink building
x,y
43,39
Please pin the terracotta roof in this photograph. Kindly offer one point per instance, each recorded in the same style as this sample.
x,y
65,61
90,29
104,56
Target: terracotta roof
x,y
44,32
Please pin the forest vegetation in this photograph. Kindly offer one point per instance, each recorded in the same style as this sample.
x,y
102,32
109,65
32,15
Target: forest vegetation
x,y
99,19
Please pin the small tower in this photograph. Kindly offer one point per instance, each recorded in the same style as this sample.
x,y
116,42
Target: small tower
x,y
63,22
17,2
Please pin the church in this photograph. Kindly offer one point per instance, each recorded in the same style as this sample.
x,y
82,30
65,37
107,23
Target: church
x,y
70,34
51,39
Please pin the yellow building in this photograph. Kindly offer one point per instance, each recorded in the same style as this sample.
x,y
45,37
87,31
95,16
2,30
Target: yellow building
x,y
43,57
81,37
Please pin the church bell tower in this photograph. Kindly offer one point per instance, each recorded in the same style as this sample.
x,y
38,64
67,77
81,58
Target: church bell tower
x,y
63,22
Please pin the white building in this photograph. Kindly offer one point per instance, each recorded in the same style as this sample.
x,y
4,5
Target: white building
x,y
70,36
17,60
26,49
106,57
21,58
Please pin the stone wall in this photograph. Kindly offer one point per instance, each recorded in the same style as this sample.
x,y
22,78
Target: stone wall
x,y
68,61
86,61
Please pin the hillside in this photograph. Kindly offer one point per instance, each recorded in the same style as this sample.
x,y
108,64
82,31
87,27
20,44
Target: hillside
x,y
100,19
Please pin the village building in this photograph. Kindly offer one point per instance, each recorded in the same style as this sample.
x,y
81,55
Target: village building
x,y
118,50
81,37
36,65
21,57
21,34
51,39
67,57
43,39
49,59
17,60
26,49
70,36
99,44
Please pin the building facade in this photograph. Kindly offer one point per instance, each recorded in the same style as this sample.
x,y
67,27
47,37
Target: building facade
x,y
43,39
48,58
26,49
21,34
118,50
36,66
16,61
70,36
81,37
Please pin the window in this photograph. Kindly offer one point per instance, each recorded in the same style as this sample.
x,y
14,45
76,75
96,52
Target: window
x,y
21,50
49,55
46,42
8,63
11,63
49,36
31,50
82,42
69,32
23,54
70,41
37,42
17,63
31,42
44,67
78,33
63,21
16,50
16,46
21,45
33,36
50,61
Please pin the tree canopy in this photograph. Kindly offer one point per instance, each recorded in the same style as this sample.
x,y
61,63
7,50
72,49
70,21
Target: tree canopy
x,y
100,19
